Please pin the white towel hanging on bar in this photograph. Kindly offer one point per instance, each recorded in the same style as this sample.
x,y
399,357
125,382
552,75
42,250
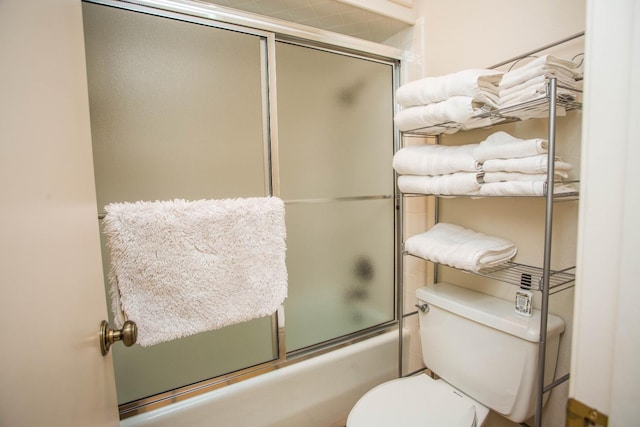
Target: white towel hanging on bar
x,y
179,268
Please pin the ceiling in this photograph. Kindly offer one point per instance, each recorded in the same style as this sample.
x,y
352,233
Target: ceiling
x,y
330,15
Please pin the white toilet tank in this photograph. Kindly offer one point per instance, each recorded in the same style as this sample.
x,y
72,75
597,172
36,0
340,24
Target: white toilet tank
x,y
478,344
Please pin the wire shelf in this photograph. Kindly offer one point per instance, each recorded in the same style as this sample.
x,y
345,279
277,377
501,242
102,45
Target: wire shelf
x,y
529,277
525,276
564,195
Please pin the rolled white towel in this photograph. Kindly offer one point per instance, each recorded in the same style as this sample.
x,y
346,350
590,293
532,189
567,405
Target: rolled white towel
x,y
479,84
427,159
519,176
532,164
501,145
460,247
457,110
538,66
459,183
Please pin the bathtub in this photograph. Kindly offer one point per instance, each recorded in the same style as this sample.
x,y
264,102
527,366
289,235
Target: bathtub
x,y
318,392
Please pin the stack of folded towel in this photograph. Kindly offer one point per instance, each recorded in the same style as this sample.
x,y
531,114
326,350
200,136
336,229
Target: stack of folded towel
x,y
516,167
437,169
500,165
448,103
529,82
460,247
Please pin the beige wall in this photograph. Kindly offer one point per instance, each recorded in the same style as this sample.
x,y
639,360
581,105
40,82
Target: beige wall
x,y
451,36
467,33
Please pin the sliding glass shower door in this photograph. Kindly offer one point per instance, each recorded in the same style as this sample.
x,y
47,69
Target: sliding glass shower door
x,y
184,107
177,112
335,147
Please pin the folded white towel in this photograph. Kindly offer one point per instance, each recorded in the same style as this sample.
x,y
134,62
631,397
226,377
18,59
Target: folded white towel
x,y
458,110
534,92
427,159
479,84
460,247
513,188
532,164
481,122
535,110
519,176
539,66
501,145
459,183
522,188
179,268
564,80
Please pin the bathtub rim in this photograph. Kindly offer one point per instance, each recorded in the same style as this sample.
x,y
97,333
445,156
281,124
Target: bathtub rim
x,y
182,394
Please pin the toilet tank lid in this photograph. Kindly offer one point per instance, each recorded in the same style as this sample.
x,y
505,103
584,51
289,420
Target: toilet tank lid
x,y
488,310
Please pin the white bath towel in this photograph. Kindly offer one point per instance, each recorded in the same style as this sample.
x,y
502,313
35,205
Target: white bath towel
x,y
534,109
481,121
457,110
501,145
534,92
429,159
523,188
564,80
513,188
479,84
519,176
459,183
460,247
539,66
179,268
532,164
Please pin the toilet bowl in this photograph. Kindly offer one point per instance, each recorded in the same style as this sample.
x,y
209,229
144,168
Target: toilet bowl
x,y
417,401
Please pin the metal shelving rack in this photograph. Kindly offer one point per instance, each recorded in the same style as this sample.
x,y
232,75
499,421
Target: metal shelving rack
x,y
543,279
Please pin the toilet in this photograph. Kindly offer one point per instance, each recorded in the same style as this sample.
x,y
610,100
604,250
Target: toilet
x,y
486,358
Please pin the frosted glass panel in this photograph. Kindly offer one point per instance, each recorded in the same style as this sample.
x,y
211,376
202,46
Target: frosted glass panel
x,y
340,263
335,117
176,108
141,372
336,141
176,112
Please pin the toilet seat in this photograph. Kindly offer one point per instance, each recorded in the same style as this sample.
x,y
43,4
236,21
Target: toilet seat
x,y
417,401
